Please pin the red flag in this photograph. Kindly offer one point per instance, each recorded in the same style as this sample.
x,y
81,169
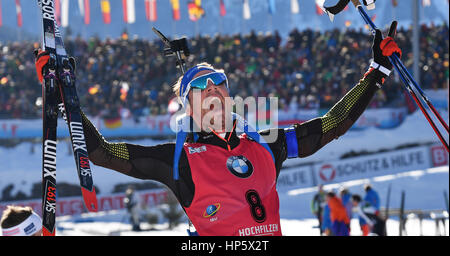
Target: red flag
x,y
195,10
394,3
87,12
319,10
19,13
223,11
175,9
106,11
58,12
426,2
150,10
0,13
129,14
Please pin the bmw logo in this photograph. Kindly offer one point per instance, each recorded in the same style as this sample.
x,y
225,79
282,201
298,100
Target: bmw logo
x,y
240,166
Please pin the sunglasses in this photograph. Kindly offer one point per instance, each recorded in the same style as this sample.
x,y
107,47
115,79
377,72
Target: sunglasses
x,y
201,82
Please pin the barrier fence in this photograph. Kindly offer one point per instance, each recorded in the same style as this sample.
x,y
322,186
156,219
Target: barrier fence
x,y
387,163
292,177
160,126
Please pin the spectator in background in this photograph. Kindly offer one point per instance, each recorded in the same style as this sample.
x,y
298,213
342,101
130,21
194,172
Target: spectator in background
x,y
20,221
131,201
346,196
310,68
371,224
372,198
326,226
317,205
338,215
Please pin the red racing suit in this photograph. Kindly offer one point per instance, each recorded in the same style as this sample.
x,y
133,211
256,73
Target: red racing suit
x,y
236,190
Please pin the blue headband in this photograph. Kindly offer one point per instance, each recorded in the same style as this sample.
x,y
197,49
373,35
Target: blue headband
x,y
187,77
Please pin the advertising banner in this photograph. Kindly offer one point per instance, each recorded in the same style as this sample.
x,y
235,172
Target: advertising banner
x,y
75,205
295,177
383,118
373,165
439,156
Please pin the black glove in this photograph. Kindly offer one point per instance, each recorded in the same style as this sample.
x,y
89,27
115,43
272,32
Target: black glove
x,y
382,48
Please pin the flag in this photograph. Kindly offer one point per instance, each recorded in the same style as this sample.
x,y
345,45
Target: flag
x,y
175,9
58,12
112,123
394,3
106,11
129,14
223,11
64,13
87,12
426,2
246,10
81,7
272,8
195,10
19,13
294,7
0,13
150,10
319,10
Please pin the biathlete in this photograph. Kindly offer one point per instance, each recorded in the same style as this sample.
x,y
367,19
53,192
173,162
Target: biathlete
x,y
225,181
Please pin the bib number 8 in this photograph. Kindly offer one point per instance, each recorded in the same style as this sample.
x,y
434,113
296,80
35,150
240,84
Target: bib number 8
x,y
256,208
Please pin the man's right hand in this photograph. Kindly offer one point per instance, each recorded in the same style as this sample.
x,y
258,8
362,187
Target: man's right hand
x,y
41,60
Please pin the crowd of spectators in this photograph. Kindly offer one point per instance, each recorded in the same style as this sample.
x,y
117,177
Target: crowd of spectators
x,y
309,69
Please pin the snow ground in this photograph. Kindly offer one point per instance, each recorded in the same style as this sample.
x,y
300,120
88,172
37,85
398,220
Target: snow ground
x,y
110,224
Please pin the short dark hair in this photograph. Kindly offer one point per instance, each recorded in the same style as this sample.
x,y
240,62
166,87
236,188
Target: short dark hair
x,y
356,198
14,215
331,194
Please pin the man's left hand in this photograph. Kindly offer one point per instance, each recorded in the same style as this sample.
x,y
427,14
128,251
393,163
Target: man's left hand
x,y
383,48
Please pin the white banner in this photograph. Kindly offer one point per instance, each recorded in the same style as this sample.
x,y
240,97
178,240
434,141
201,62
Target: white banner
x,y
439,156
373,165
295,177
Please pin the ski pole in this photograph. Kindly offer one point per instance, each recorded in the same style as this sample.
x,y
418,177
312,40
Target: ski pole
x,y
408,80
446,200
400,64
425,113
402,214
388,198
422,94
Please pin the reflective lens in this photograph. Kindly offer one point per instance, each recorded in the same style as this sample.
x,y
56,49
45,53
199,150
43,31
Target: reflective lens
x,y
216,78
